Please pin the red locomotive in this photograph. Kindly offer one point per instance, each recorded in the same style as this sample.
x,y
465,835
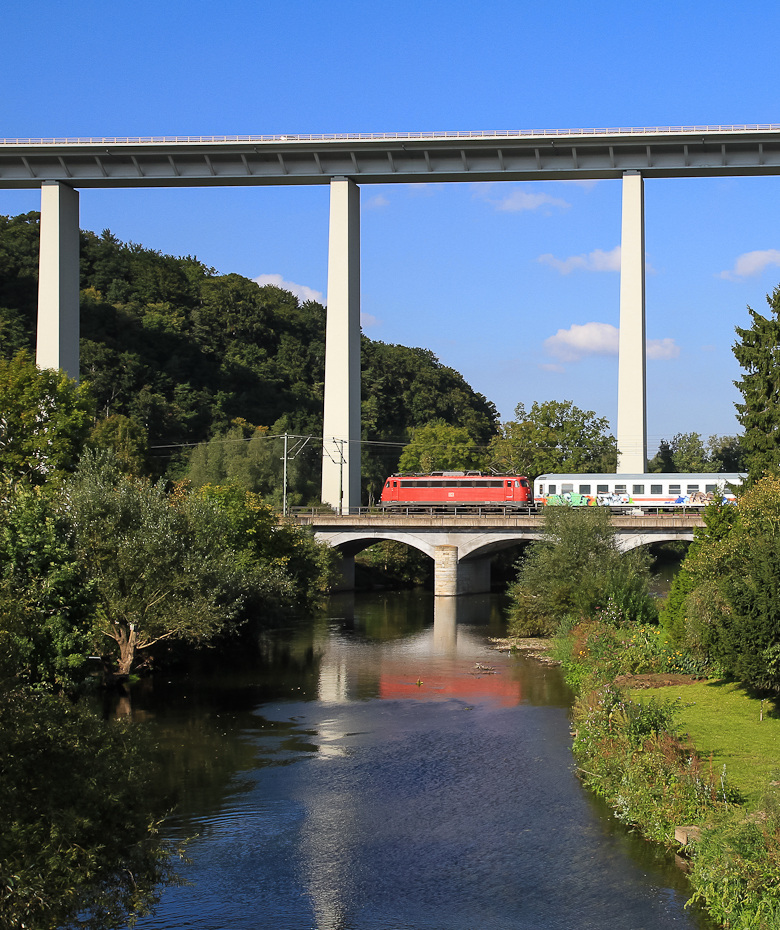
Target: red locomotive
x,y
449,489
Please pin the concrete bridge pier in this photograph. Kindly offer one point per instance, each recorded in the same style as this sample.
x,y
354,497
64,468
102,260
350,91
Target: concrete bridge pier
x,y
341,415
58,279
452,576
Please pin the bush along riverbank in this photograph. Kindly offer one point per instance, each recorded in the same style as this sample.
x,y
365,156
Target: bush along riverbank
x,y
633,749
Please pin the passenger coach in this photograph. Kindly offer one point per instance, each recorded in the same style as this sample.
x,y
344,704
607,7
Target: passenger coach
x,y
647,490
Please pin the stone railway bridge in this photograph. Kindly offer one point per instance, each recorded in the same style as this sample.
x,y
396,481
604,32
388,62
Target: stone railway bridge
x,y
461,546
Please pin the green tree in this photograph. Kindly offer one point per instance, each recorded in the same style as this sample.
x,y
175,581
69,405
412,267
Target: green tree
x,y
159,565
125,438
554,436
735,604
575,570
663,461
288,563
46,630
80,844
758,353
44,420
438,446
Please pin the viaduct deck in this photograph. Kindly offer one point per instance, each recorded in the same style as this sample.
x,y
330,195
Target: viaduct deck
x,y
462,544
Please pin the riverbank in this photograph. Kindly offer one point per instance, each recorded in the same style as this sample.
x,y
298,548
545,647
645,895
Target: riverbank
x,y
667,750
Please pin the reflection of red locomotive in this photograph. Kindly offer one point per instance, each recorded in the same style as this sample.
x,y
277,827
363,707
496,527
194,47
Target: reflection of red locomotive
x,y
447,489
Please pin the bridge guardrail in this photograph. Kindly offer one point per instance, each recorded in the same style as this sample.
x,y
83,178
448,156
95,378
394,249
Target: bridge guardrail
x,y
493,511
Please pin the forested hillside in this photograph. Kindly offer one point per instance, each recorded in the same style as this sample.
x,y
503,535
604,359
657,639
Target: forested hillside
x,y
190,354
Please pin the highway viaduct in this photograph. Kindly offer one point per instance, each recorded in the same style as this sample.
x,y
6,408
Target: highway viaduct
x,y
461,546
63,167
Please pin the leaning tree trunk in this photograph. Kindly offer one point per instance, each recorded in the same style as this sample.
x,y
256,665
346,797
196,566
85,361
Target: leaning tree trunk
x,y
127,639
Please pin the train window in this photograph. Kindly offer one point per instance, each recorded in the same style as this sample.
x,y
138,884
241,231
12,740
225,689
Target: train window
x,y
584,489
524,483
602,489
408,484
551,489
387,484
656,489
691,488
710,488
517,484
621,489
638,489
674,489
567,488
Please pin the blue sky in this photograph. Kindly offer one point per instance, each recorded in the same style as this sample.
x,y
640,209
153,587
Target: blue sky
x,y
515,285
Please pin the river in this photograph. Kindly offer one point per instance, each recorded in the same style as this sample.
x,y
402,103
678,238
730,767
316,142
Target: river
x,y
385,768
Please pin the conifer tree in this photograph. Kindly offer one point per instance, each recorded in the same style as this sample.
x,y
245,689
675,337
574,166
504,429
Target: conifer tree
x,y
758,353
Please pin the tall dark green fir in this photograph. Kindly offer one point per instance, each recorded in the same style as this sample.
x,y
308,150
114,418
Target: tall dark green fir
x,y
758,353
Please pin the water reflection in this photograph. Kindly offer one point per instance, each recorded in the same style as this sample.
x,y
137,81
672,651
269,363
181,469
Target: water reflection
x,y
386,768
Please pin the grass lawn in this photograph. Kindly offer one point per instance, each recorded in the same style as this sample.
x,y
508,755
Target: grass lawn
x,y
723,720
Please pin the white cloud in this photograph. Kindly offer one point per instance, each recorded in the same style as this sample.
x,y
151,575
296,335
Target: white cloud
x,y
518,200
750,264
515,200
581,340
376,202
586,183
662,348
368,319
570,345
551,366
597,260
302,292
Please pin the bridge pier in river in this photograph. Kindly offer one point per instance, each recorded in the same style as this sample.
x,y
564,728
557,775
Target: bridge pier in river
x,y
453,576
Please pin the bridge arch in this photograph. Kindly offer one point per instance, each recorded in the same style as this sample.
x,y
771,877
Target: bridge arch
x,y
461,546
637,540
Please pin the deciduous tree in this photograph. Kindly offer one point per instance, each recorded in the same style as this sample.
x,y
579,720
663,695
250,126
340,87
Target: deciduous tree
x,y
439,446
44,420
554,436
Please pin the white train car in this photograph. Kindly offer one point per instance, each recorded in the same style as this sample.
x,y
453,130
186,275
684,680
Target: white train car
x,y
638,491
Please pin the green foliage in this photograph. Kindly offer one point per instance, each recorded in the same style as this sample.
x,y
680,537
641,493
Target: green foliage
x,y
576,569
554,436
736,869
45,601
392,564
80,843
688,453
159,566
271,548
437,446
758,353
734,608
44,420
125,438
629,754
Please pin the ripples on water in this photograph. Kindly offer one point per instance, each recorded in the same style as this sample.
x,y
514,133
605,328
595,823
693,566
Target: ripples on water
x,y
422,782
